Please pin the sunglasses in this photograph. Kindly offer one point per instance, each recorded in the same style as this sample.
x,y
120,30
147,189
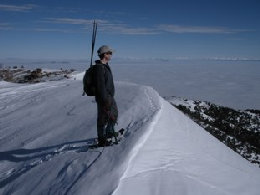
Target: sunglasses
x,y
109,53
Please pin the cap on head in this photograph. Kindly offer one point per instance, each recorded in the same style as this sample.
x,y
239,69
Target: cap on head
x,y
104,49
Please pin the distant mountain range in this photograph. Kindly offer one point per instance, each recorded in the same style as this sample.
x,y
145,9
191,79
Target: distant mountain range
x,y
237,129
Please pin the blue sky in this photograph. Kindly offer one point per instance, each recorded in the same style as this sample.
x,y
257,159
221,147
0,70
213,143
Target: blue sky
x,y
52,29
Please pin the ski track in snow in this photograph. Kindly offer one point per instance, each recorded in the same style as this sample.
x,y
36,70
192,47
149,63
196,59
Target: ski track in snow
x,y
38,158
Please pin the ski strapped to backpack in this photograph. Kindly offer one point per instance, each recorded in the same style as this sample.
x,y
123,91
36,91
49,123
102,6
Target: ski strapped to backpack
x,y
89,86
94,34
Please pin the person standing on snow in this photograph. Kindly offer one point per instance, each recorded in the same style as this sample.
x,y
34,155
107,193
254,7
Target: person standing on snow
x,y
107,112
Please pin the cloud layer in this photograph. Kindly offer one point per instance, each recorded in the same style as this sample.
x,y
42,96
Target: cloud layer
x,y
17,8
116,27
122,28
5,26
197,29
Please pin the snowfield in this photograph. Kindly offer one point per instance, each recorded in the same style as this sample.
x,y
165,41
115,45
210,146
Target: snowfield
x,y
46,130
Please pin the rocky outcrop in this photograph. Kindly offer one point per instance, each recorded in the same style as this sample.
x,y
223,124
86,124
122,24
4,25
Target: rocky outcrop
x,y
21,75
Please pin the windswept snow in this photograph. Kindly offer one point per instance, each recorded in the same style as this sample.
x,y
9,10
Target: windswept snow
x,y
180,157
46,130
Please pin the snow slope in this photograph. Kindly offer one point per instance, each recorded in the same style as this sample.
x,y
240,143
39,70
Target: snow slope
x,y
45,132
179,157
46,128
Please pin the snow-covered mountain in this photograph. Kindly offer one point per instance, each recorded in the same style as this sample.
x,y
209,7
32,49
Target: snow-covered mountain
x,y
239,130
46,129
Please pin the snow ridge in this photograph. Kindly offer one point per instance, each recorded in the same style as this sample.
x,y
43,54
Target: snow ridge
x,y
142,140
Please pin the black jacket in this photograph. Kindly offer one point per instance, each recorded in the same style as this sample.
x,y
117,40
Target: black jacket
x,y
104,83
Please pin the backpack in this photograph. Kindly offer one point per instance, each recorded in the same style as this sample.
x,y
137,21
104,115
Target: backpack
x,y
89,81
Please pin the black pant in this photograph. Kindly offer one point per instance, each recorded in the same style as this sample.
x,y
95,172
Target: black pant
x,y
106,118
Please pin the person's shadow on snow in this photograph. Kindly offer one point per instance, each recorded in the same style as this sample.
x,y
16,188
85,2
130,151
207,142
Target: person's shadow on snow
x,y
22,154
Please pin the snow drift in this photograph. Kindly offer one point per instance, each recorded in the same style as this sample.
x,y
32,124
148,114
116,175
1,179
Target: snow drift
x,y
46,130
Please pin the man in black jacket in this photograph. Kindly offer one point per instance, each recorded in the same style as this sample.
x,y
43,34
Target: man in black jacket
x,y
105,91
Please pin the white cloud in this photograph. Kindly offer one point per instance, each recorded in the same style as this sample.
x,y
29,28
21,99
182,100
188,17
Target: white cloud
x,y
233,59
119,27
74,21
104,25
196,29
17,8
5,26
55,30
124,29
135,31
